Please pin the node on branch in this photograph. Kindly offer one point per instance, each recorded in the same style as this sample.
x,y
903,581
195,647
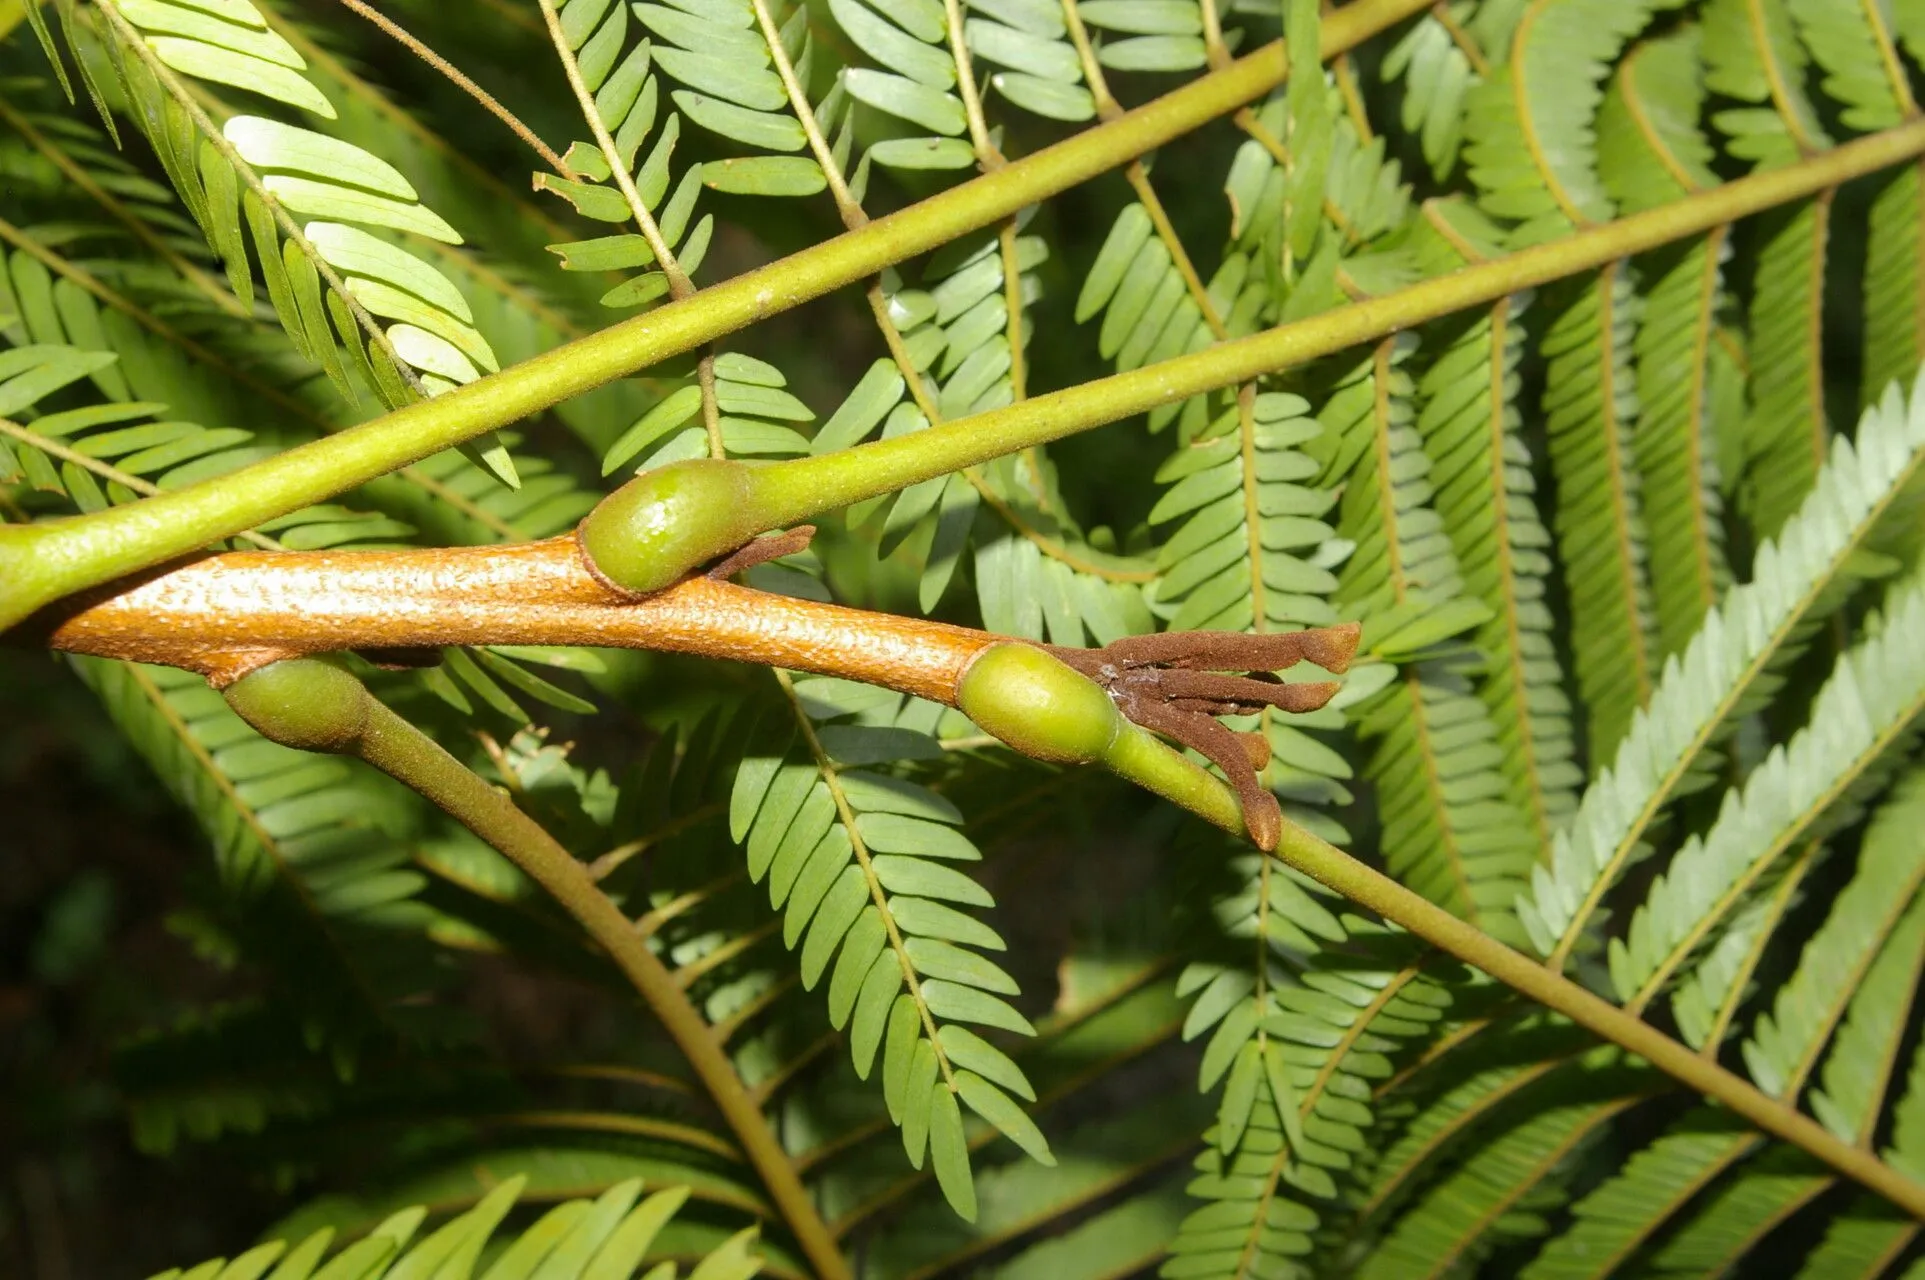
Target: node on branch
x,y
303,703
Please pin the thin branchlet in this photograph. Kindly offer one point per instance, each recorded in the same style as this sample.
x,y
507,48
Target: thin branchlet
x,y
455,76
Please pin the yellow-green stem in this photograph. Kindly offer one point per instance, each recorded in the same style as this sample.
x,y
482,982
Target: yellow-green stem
x,y
805,486
61,557
1331,866
308,704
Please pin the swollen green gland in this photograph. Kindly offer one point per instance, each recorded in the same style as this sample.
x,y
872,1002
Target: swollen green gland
x,y
1046,710
1038,705
24,573
657,528
303,703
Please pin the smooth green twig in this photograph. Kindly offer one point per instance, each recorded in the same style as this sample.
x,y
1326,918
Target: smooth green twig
x,y
1331,866
772,495
45,561
815,484
313,706
455,76
60,557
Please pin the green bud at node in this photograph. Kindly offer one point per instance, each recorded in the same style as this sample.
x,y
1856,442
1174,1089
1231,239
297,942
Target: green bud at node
x,y
653,530
303,703
1038,705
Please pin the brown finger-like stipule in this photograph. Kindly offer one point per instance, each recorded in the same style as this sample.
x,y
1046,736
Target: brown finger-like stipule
x,y
1257,747
1209,707
1262,816
401,659
1089,662
1331,648
1251,695
1177,684
762,550
1198,650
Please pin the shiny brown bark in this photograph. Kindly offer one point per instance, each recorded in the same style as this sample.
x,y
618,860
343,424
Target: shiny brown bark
x,y
225,615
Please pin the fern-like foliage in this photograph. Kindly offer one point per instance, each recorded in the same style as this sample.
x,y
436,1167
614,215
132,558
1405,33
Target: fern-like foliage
x,y
1865,708
1486,495
860,865
1686,405
1336,1004
1632,536
308,853
614,1235
245,183
1728,668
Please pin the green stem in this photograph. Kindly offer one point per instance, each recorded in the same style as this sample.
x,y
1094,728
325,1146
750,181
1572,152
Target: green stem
x,y
1331,866
805,486
308,704
60,557
661,526
1142,758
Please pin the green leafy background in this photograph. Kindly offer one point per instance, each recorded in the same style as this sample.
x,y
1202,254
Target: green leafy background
x,y
1636,556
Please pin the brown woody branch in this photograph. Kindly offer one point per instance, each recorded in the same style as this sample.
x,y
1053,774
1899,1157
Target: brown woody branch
x,y
224,616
